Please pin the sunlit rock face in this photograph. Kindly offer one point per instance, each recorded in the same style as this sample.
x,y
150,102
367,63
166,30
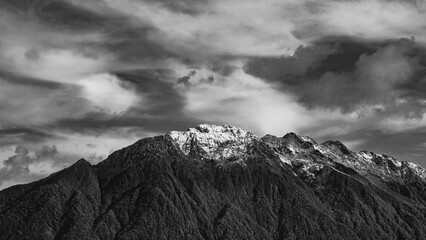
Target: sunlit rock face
x,y
222,182
214,142
307,156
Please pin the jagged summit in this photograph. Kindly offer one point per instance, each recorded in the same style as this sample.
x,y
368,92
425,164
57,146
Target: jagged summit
x,y
306,157
301,153
337,145
213,142
291,136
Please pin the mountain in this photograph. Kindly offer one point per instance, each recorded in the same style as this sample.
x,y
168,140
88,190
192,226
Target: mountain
x,y
222,182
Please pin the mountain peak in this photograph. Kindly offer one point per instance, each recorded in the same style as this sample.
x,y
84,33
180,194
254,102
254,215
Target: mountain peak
x,y
228,142
213,141
210,128
338,146
291,136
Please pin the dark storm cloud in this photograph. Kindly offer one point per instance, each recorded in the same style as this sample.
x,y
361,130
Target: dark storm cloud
x,y
13,78
158,85
192,7
350,75
135,44
185,79
113,39
15,136
57,14
26,102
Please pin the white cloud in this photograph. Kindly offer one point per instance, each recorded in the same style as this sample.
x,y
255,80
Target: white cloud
x,y
249,102
373,19
58,65
107,93
23,104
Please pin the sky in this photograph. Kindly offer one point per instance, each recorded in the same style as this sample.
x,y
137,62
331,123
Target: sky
x,y
80,79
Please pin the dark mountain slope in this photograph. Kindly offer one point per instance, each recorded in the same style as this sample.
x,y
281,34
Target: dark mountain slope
x,y
217,183
58,207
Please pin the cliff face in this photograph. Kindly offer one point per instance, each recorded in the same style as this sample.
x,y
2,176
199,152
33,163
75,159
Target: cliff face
x,y
221,182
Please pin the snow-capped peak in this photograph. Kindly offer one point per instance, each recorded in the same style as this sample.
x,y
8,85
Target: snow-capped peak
x,y
303,153
213,142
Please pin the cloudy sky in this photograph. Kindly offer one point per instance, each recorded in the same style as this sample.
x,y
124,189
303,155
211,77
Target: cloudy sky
x,y
83,78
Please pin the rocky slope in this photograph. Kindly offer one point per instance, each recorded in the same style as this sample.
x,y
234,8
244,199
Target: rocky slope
x,y
221,182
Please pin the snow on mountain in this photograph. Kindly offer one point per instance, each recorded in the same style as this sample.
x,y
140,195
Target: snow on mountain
x,y
368,164
301,153
213,142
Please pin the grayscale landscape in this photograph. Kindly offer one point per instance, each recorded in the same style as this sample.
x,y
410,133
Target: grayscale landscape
x,y
212,119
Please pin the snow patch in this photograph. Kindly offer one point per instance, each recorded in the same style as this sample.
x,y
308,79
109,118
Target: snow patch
x,y
215,142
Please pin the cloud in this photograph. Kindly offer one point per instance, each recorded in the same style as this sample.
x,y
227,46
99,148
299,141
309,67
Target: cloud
x,y
46,152
73,38
57,64
28,165
35,50
246,101
368,19
371,76
108,93
26,101
18,163
257,28
159,107
15,136
269,28
104,36
57,14
22,167
23,105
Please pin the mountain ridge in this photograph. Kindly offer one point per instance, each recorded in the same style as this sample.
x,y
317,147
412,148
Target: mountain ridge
x,y
222,182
